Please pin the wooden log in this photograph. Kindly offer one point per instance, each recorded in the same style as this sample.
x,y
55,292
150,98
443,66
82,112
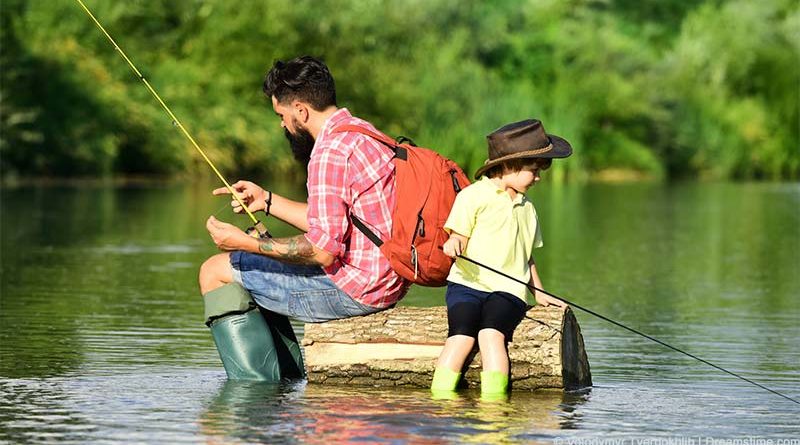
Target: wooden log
x,y
399,347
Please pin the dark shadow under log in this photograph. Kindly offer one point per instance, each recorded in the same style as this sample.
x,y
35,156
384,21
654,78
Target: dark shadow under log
x,y
399,347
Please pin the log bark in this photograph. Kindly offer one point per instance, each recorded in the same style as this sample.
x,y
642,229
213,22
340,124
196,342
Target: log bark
x,y
399,347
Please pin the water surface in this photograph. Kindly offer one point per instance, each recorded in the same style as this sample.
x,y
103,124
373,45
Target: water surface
x,y
101,337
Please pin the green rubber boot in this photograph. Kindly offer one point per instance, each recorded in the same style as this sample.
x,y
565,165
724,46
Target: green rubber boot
x,y
290,356
494,382
242,336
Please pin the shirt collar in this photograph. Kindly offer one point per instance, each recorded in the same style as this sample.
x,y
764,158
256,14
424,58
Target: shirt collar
x,y
334,119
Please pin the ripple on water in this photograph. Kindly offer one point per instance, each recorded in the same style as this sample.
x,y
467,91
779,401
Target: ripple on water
x,y
140,406
136,249
101,334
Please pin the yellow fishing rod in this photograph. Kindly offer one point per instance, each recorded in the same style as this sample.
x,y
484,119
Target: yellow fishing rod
x,y
258,230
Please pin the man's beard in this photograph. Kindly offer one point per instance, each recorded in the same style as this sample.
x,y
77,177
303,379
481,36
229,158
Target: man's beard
x,y
301,143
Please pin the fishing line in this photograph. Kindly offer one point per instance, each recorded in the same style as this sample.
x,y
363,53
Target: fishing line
x,y
262,231
224,206
534,288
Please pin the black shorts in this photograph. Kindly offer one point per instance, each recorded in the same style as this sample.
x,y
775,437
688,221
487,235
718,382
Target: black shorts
x,y
470,310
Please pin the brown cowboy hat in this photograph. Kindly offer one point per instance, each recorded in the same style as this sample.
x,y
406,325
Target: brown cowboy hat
x,y
520,140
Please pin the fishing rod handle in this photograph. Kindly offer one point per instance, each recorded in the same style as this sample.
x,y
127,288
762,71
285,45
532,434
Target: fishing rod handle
x,y
258,231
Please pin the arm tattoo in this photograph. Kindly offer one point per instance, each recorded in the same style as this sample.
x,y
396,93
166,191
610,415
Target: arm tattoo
x,y
295,250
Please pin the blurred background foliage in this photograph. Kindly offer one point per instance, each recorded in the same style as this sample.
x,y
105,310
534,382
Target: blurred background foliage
x,y
663,89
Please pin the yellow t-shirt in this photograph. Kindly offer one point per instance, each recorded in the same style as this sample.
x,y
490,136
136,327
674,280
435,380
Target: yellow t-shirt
x,y
502,234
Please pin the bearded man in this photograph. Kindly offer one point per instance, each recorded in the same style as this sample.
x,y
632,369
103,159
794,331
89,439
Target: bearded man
x,y
332,270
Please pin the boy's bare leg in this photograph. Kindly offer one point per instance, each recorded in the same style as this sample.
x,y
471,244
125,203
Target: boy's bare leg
x,y
451,360
494,378
494,356
455,351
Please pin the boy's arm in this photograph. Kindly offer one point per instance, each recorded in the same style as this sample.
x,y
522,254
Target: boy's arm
x,y
455,245
542,298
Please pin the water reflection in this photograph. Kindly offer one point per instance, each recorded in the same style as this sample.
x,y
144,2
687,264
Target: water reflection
x,y
244,411
257,412
101,334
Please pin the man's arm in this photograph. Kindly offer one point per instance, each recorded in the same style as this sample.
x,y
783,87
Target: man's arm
x,y
295,249
292,212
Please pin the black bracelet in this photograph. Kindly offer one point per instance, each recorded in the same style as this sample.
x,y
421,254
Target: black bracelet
x,y
269,203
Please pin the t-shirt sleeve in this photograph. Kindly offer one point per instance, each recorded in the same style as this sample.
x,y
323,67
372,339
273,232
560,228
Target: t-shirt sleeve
x,y
327,208
463,214
537,236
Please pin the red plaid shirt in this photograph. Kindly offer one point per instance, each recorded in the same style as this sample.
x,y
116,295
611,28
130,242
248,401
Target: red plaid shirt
x,y
352,174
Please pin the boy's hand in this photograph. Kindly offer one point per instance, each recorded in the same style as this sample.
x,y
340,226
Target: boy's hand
x,y
546,300
452,247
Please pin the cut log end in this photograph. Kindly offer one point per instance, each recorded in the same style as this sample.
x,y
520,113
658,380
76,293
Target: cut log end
x,y
399,347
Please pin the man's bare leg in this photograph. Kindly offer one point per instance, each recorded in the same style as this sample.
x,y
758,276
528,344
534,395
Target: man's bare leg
x,y
215,272
243,338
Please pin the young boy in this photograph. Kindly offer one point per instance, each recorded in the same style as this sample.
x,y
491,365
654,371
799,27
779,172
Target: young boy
x,y
494,223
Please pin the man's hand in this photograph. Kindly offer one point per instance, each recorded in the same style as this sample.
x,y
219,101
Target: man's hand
x,y
546,300
252,195
454,245
229,237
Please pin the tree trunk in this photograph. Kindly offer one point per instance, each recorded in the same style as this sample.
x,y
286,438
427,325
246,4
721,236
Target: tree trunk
x,y
399,347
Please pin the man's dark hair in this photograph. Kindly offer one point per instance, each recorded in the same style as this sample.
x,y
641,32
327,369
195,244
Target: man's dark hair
x,y
305,79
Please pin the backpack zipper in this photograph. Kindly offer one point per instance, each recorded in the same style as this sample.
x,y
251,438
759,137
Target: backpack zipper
x,y
420,231
456,185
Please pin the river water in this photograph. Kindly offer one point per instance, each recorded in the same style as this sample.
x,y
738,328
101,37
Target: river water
x,y
101,337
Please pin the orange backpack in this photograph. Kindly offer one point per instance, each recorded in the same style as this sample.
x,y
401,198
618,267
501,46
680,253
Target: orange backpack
x,y
426,184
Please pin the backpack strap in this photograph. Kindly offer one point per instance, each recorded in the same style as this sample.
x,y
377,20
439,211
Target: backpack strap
x,y
399,152
365,230
389,142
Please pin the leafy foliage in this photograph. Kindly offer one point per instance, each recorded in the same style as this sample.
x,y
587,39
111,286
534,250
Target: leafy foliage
x,y
682,88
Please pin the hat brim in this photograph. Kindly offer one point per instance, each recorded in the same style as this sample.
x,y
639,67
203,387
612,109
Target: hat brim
x,y
560,149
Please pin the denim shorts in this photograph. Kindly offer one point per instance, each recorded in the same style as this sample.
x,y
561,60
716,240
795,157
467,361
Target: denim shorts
x,y
301,292
470,310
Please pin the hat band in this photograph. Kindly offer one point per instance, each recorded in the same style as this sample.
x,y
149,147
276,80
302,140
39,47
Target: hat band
x,y
522,154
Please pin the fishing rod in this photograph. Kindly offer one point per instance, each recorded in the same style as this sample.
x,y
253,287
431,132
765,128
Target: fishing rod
x,y
536,289
258,230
